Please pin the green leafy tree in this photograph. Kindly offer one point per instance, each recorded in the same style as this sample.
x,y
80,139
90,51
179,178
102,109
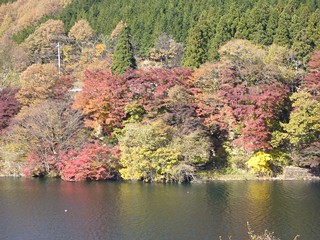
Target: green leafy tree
x,y
123,54
304,124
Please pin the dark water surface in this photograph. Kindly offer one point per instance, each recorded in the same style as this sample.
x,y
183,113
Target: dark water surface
x,y
35,209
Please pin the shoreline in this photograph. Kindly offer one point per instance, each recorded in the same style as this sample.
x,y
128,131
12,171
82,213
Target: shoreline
x,y
221,178
259,179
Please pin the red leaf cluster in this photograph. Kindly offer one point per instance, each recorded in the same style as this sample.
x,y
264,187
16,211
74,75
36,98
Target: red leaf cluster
x,y
104,95
93,162
149,88
311,82
225,101
9,106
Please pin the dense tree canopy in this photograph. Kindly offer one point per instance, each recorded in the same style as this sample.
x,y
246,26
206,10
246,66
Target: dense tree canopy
x,y
258,21
121,105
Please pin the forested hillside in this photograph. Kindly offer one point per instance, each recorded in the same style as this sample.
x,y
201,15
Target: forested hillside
x,y
160,91
287,23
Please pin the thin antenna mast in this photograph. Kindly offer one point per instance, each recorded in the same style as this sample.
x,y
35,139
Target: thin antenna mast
x,y
59,65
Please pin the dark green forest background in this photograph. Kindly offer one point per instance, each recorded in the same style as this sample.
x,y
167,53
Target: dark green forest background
x,y
288,23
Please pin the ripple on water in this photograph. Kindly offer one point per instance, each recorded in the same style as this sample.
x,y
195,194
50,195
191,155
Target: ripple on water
x,y
109,210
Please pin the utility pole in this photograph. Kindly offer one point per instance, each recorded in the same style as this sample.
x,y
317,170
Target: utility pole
x,y
58,46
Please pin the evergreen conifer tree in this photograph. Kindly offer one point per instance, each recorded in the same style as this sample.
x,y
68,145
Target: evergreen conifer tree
x,y
222,35
282,36
213,17
123,54
259,18
302,46
195,52
242,28
232,18
272,25
299,21
313,29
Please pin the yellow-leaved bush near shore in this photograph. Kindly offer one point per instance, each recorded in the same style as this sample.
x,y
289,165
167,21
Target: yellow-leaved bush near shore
x,y
144,164
262,163
259,163
151,151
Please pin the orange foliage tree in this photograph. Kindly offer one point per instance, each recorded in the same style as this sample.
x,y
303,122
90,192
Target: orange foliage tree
x,y
103,100
40,82
81,31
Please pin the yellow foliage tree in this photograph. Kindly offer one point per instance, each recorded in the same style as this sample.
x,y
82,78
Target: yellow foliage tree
x,y
81,31
242,49
146,154
42,43
100,48
259,163
147,165
5,24
115,33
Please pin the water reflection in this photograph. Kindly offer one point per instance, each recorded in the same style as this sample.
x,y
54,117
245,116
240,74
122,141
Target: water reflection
x,y
258,204
35,209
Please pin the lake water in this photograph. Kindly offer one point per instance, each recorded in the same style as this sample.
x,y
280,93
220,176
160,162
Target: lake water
x,y
53,209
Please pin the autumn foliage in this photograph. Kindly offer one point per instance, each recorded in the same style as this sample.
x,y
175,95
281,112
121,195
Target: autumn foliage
x,y
246,99
225,100
150,88
40,82
311,82
103,100
164,124
9,106
93,162
105,96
